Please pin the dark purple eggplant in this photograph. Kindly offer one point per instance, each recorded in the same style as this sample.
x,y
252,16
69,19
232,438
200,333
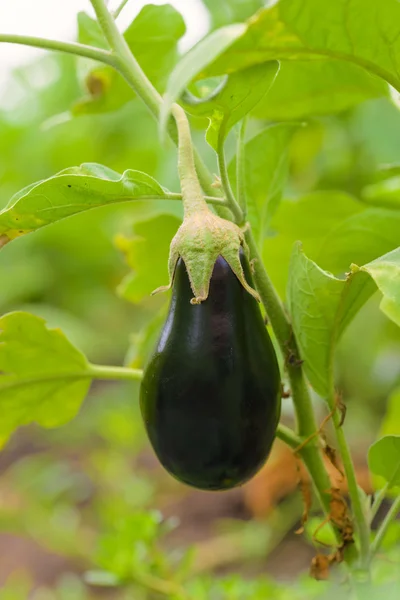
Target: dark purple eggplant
x,y
210,396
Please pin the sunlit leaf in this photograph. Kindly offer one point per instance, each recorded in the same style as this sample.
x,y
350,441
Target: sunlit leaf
x,y
359,31
43,377
70,192
384,459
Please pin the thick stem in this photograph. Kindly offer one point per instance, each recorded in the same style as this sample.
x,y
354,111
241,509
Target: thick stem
x,y
380,534
66,47
192,194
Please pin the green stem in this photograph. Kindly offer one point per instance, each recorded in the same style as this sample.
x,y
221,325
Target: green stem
x,y
306,422
122,373
380,534
361,522
288,436
192,194
230,197
241,167
379,498
120,8
125,62
66,47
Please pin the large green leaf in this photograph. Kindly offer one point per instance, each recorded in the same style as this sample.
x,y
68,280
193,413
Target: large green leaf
x,y
70,192
266,169
195,61
335,229
43,377
152,37
384,459
147,255
322,306
305,88
361,31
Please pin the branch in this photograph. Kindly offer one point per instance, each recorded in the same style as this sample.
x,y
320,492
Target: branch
x,y
67,47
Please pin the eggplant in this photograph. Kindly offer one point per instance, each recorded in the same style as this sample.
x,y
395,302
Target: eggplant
x,y
211,393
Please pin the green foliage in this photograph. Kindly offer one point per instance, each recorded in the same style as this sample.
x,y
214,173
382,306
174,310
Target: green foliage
x,y
266,164
286,31
304,89
194,62
384,459
242,92
88,491
147,255
322,306
74,190
152,37
43,377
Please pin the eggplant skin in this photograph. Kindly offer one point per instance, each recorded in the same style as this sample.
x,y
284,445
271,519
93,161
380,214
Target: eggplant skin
x,y
211,393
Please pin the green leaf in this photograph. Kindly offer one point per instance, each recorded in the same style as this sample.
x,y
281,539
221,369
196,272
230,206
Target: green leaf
x,y
231,11
266,170
194,62
335,230
384,459
385,193
360,238
391,422
322,306
43,377
242,92
359,31
72,191
153,39
89,32
147,255
305,88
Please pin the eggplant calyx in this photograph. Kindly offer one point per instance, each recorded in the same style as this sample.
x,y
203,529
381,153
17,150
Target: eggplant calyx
x,y
201,238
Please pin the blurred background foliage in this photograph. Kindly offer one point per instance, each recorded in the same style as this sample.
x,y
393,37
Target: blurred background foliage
x,y
85,511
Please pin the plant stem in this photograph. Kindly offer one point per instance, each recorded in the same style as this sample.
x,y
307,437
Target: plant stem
x,y
126,63
288,436
230,197
67,47
241,167
192,194
379,498
122,373
120,8
362,525
380,534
